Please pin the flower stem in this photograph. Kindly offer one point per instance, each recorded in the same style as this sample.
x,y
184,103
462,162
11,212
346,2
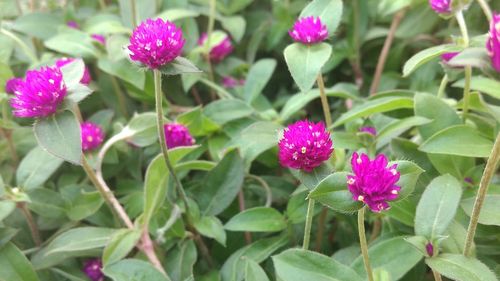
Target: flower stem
x,y
437,276
468,69
307,228
210,29
486,9
162,140
442,86
7,135
324,101
488,173
241,204
363,244
31,223
133,12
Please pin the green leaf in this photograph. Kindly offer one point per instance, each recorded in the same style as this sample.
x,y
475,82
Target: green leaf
x,y
461,140
258,219
489,211
377,105
47,203
225,110
15,266
437,206
121,243
6,234
59,134
333,193
84,204
38,25
476,57
313,178
105,24
6,208
181,260
253,272
482,84
211,227
305,61
425,56
259,74
297,207
141,130
197,123
133,270
409,174
300,265
73,73
222,184
234,25
124,70
329,11
460,268
178,66
35,168
393,255
396,128
435,109
74,43
201,165
176,14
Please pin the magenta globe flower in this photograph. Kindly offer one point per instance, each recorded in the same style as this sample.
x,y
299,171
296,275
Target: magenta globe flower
x,y
230,82
308,30
493,44
12,84
220,51
441,6
99,38
39,94
305,145
373,183
73,24
92,136
93,269
177,135
155,43
370,130
86,74
446,57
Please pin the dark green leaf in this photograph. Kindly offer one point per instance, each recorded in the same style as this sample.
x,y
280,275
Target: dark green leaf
x,y
15,266
36,168
211,227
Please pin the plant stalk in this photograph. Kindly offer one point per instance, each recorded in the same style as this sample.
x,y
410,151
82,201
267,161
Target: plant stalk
x,y
486,9
241,205
442,86
133,12
307,228
363,244
324,101
488,173
119,95
7,134
210,29
437,276
468,69
31,223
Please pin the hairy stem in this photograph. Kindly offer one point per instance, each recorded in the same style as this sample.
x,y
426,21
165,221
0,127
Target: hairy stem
x,y
468,69
486,9
241,205
442,86
7,134
437,276
488,173
363,244
307,228
31,223
324,101
210,29
267,189
385,50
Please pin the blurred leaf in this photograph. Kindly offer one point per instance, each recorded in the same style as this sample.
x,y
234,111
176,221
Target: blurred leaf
x,y
253,272
297,207
258,76
475,57
333,193
313,178
181,260
36,167
73,73
197,122
84,205
15,266
482,84
235,25
74,43
133,270
176,14
105,24
489,211
6,234
178,66
409,174
258,219
437,207
396,128
38,25
433,108
329,11
425,56
232,6
124,70
47,203
121,243
6,207
460,268
144,9
223,111
211,227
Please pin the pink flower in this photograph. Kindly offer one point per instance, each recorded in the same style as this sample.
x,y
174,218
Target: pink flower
x,y
99,38
92,136
429,248
493,44
308,30
177,135
369,130
12,84
220,51
230,82
373,183
441,6
39,94
155,43
73,24
446,57
305,145
93,269
86,74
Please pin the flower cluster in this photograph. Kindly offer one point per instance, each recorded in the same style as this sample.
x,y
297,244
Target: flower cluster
x,y
177,135
39,94
305,145
493,44
86,74
230,82
308,30
93,269
441,6
219,51
373,183
92,136
12,84
155,43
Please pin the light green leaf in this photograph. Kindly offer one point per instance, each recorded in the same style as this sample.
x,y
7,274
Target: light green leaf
x,y
133,270
105,24
259,74
253,272
225,110
176,14
6,208
329,11
84,205
333,193
121,243
124,70
15,266
73,73
396,128
74,43
258,219
211,227
482,84
425,56
460,268
181,260
36,167
489,212
178,66
435,109
38,25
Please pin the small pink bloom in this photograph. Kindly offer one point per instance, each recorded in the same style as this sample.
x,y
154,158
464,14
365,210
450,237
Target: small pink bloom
x,y
441,6
39,94
369,130
446,57
429,249
93,269
99,38
373,183
73,24
493,44
12,84
308,30
220,51
92,136
230,82
177,135
305,145
86,74
155,43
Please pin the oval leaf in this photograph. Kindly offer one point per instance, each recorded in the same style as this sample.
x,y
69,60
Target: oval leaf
x,y
460,268
489,211
259,219
333,193
14,265
120,245
329,11
133,270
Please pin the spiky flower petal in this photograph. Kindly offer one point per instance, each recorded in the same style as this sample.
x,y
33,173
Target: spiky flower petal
x,y
441,6
177,135
12,84
493,44
308,30
92,136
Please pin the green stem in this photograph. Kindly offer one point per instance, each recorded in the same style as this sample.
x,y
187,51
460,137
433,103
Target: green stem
x,y
31,223
488,173
210,29
119,95
324,101
463,28
162,140
307,228
21,44
437,276
133,13
468,69
442,86
363,244
486,9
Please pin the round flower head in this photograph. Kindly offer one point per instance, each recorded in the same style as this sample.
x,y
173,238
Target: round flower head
x,y
92,268
369,130
92,136
373,183
39,94
155,43
73,24
220,51
99,38
308,30
230,82
493,44
305,145
86,74
12,84
429,248
177,135
441,6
